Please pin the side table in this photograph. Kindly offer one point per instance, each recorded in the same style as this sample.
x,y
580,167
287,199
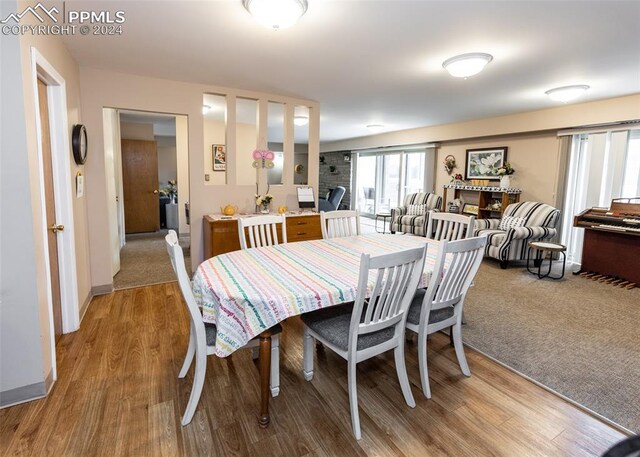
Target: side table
x,y
542,247
384,217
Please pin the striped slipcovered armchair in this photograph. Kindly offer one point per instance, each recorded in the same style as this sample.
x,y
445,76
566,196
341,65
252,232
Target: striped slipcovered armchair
x,y
508,238
412,216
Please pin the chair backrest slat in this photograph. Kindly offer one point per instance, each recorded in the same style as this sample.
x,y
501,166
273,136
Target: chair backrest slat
x,y
337,224
448,286
261,230
397,277
448,226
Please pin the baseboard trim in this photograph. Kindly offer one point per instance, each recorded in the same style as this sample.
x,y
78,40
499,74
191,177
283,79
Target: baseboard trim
x,y
85,306
598,416
102,289
26,393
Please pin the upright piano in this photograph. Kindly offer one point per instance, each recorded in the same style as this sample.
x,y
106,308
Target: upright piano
x,y
612,240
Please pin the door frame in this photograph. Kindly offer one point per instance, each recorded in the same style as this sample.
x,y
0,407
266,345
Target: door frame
x,y
62,185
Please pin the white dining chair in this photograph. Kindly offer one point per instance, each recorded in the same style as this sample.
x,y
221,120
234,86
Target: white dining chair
x,y
448,226
339,223
202,337
440,306
261,231
374,325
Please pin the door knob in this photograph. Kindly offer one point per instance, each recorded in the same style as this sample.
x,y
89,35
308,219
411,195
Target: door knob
x,y
155,191
55,228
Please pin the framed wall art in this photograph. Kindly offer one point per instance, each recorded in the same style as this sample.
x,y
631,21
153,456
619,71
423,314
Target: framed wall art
x,y
468,208
484,163
219,157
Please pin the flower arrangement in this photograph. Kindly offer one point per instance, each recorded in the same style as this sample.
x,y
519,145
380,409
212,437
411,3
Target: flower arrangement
x,y
457,178
264,200
505,169
171,190
449,164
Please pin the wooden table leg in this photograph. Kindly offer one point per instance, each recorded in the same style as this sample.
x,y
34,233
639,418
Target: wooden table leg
x,y
265,371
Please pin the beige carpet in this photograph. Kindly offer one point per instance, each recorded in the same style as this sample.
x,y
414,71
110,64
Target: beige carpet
x,y
576,336
144,260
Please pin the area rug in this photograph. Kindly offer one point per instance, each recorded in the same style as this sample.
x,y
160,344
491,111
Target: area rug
x,y
575,336
144,260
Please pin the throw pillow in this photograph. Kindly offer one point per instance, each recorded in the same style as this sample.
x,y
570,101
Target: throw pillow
x,y
416,210
508,222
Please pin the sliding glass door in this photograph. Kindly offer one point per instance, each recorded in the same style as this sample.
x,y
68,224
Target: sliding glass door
x,y
382,179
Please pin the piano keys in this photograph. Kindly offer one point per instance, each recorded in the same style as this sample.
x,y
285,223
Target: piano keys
x,y
612,240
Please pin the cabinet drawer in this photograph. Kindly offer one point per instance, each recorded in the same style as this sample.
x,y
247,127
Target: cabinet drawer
x,y
303,228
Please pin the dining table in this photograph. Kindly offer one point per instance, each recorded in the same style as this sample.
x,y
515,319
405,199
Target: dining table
x,y
245,293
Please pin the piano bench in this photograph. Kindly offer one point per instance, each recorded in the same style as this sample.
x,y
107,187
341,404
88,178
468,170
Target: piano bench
x,y
542,247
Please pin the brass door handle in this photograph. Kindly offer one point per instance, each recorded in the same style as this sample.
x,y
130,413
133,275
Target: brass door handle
x,y
155,191
55,228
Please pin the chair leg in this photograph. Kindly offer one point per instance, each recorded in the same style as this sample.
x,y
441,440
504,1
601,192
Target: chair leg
x,y
457,344
307,357
401,368
188,358
275,365
353,399
422,362
196,390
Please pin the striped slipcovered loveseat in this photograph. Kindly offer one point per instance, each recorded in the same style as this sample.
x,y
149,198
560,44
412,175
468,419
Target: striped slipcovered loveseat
x,y
416,224
512,242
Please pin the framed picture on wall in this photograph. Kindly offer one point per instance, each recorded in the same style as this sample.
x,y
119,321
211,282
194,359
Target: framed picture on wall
x,y
484,163
468,208
219,157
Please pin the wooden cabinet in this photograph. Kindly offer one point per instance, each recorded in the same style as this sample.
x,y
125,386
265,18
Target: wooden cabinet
x,y
483,197
221,235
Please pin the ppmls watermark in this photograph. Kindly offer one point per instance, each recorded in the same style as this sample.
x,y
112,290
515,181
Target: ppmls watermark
x,y
65,22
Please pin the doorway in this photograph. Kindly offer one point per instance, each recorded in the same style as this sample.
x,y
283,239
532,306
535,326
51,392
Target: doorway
x,y
151,193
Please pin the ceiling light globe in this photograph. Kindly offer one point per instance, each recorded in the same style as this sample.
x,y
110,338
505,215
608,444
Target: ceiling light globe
x,y
276,14
300,120
466,65
567,93
375,128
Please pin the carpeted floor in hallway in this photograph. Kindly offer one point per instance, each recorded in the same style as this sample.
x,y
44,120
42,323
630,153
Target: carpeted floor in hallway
x,y
144,261
576,336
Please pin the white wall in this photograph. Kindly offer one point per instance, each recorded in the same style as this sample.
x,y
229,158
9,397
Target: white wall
x,y
182,164
167,160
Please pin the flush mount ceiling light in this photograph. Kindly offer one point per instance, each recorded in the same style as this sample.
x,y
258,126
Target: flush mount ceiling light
x,y
567,93
205,109
301,120
375,128
466,65
276,14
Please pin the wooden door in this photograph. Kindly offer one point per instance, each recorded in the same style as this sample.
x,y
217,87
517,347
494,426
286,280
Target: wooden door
x,y
140,186
50,209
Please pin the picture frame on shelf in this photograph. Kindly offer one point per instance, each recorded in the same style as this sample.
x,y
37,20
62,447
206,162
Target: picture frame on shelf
x,y
470,209
219,157
483,163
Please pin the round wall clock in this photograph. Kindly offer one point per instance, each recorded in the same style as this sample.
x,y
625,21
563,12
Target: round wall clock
x,y
79,144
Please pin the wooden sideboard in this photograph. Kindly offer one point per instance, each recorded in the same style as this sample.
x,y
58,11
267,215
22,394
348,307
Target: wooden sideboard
x,y
482,196
221,235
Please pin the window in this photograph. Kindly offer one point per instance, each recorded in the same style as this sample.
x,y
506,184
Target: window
x,y
602,166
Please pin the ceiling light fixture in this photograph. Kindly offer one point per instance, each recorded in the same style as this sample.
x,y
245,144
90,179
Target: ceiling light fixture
x,y
301,120
567,93
466,65
276,14
376,128
205,109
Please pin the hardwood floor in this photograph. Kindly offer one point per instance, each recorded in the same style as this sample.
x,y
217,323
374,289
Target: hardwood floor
x,y
118,394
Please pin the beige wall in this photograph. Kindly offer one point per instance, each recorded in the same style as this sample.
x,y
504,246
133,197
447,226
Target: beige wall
x,y
533,156
19,356
103,88
136,131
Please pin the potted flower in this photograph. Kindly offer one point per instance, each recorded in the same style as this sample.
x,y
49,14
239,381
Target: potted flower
x,y
263,202
171,190
505,172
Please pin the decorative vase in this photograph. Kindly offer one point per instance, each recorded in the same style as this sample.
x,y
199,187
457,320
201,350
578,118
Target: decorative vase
x,y
264,208
505,181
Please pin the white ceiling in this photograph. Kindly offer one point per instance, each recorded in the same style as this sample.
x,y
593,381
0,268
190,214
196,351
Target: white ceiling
x,y
379,62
